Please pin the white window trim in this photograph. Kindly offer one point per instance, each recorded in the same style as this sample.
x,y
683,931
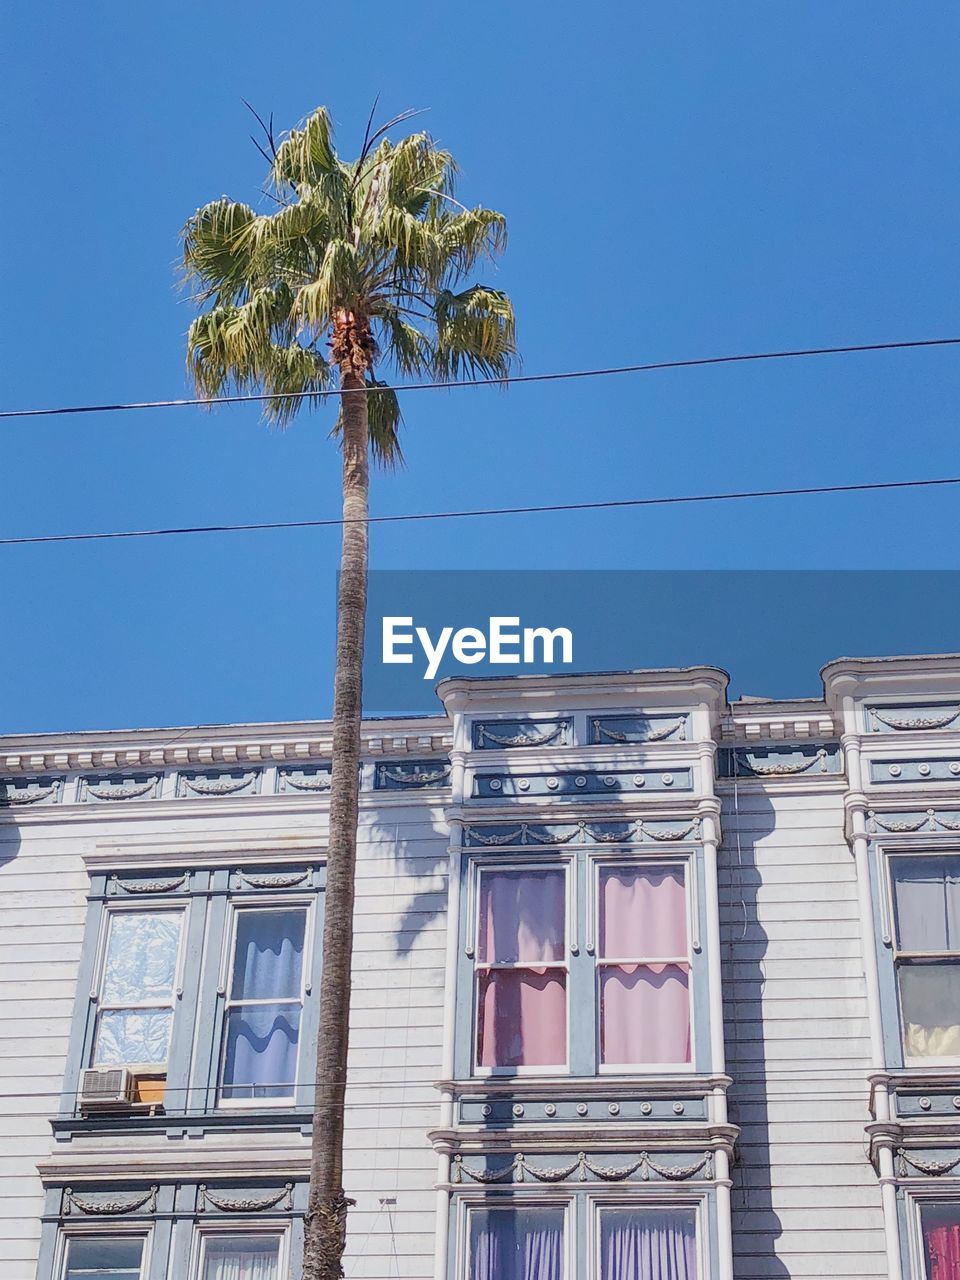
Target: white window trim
x,y
653,1200
180,908
685,862
477,868
99,1230
476,1200
220,1231
263,903
888,902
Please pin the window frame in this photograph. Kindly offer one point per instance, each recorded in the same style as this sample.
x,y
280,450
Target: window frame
x,y
888,936
98,1230
265,902
596,864
568,867
914,1199
202,1232
178,907
598,1205
471,1203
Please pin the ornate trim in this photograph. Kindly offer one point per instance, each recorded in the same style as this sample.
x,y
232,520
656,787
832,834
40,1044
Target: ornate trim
x,y
124,791
313,782
527,834
149,886
217,787
102,1208
910,824
249,1204
8,797
657,735
519,1169
933,1168
275,882
777,770
917,722
414,779
521,739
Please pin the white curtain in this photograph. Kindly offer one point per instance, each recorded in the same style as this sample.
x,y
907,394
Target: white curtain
x,y
253,1259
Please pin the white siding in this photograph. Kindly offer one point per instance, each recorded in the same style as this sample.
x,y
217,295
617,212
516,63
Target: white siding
x,y
806,1201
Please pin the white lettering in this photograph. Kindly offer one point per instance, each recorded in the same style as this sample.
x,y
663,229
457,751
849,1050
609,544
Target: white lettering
x,y
548,637
499,637
469,645
434,652
391,638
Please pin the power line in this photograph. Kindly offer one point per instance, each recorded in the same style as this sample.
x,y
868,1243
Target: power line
x,y
513,380
676,500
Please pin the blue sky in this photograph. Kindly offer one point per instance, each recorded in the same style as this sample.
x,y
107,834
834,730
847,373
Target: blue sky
x,y
679,181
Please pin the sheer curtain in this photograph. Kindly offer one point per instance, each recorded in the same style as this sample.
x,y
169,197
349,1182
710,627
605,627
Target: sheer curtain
x,y
252,1259
926,893
516,1244
644,999
646,1245
522,1010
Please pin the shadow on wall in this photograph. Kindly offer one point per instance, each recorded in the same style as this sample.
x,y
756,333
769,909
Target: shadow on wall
x,y
422,855
744,941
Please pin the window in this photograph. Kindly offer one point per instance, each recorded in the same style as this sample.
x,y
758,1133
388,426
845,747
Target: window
x,y
646,1244
264,1003
137,988
926,902
253,1257
516,1244
643,965
521,969
102,1258
940,1231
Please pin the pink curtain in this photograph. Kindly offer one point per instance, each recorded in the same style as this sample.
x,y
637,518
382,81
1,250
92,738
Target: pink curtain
x,y
522,916
522,1018
644,1014
643,913
943,1252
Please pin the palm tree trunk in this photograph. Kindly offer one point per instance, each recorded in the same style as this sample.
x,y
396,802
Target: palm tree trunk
x,y
325,1224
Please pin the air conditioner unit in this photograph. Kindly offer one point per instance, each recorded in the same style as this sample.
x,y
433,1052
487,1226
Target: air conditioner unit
x,y
107,1088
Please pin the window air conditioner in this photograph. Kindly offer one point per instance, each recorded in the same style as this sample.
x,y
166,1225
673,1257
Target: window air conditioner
x,y
104,1088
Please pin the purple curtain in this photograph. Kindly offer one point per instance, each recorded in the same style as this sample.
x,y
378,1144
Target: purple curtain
x,y
647,1245
522,916
522,1018
516,1244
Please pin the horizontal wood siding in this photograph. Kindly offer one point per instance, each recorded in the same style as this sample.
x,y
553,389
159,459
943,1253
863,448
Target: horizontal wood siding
x,y
806,1201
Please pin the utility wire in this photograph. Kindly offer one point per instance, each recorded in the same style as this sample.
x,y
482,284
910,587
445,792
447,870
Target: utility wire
x,y
677,500
485,382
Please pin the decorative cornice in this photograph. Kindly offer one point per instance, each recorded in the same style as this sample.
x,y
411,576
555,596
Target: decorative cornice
x,y
282,1199
149,886
626,730
525,833
105,1208
930,1168
490,734
906,823
519,1169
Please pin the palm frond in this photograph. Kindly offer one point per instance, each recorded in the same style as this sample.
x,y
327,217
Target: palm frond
x,y
384,421
213,252
476,333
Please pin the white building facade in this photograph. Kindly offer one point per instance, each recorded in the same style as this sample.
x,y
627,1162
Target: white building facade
x,y
647,986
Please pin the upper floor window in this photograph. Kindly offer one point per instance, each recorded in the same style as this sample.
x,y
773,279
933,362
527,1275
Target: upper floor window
x,y
137,989
237,1257
583,964
103,1258
940,1230
926,901
264,1004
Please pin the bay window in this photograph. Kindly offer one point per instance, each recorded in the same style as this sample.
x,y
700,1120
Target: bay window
x,y
926,909
103,1257
137,988
583,964
264,1004
940,1232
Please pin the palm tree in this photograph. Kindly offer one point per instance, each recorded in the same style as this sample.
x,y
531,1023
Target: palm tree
x,y
360,266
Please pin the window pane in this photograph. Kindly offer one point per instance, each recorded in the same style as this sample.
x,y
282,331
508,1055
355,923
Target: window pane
x,y
95,1256
930,1008
926,896
643,912
516,1244
250,1258
268,957
644,1014
521,916
141,960
644,1245
941,1240
260,1060
133,1035
522,1018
